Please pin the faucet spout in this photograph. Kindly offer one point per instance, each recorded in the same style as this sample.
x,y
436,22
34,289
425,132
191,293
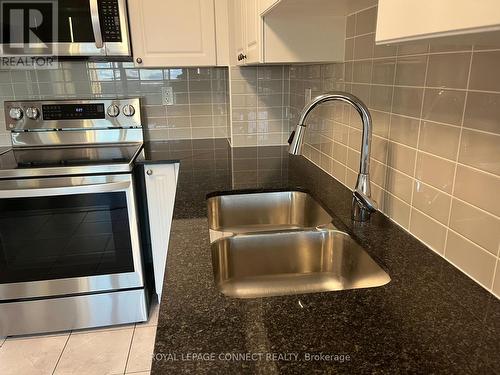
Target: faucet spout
x,y
362,205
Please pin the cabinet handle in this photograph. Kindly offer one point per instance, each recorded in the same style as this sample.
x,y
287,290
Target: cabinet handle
x,y
149,172
241,57
138,60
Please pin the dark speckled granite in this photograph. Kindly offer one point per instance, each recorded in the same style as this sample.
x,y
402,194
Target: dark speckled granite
x,y
430,319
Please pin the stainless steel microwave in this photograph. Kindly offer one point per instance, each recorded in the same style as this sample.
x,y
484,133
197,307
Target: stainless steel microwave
x,y
87,28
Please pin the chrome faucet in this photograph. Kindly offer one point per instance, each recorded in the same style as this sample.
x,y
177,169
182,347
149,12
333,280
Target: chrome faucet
x,y
362,204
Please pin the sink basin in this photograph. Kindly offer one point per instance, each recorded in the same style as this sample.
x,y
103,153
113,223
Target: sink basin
x,y
293,262
269,211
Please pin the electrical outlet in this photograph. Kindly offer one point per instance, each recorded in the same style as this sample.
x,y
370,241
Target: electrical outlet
x,y
308,96
167,95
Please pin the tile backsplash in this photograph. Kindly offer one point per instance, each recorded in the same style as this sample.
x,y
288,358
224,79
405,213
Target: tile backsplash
x,y
260,99
200,95
435,165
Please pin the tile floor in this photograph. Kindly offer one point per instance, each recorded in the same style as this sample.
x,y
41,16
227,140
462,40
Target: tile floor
x,y
124,349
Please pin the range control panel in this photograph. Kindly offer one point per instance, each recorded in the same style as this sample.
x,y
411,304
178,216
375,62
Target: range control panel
x,y
72,114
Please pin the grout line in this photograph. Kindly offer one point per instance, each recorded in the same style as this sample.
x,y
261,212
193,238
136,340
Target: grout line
x,y
130,348
62,352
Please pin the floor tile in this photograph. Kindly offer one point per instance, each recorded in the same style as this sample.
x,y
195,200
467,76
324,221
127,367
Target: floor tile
x,y
26,356
141,350
139,373
98,352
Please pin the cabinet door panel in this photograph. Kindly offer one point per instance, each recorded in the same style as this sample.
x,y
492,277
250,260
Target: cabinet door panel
x,y
407,20
253,25
172,32
161,185
239,30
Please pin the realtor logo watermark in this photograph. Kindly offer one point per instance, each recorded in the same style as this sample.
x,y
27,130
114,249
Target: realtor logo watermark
x,y
28,30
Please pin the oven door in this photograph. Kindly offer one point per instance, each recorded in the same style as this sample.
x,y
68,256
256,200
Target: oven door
x,y
68,235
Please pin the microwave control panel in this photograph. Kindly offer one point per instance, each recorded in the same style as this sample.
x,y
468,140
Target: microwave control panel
x,y
109,17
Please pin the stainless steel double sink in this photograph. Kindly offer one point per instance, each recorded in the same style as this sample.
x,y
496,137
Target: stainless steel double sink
x,y
280,243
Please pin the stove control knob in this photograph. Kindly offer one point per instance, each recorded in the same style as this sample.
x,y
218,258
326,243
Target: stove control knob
x,y
16,113
128,110
32,113
113,110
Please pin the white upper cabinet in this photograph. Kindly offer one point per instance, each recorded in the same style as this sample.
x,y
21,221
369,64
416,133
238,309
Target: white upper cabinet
x,y
407,20
173,32
288,31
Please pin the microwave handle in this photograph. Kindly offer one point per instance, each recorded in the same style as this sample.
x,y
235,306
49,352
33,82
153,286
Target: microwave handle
x,y
96,24
65,190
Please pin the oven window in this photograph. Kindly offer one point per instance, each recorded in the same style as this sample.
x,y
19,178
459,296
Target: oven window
x,y
44,238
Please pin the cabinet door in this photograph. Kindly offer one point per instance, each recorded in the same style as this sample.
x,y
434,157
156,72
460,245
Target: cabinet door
x,y
239,31
253,31
172,32
407,20
161,184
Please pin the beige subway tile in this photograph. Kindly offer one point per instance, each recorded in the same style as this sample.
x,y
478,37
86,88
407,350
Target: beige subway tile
x,y
381,97
325,162
482,111
355,138
362,72
353,158
444,106
399,184
441,47
485,74
404,130
397,210
431,201
363,46
478,188
350,28
407,101
350,178
448,70
380,122
339,153
379,148
439,139
480,150
385,50
413,48
428,231
247,73
349,50
383,71
470,258
410,71
338,171
362,91
366,21
435,171
378,171
477,225
401,158
340,133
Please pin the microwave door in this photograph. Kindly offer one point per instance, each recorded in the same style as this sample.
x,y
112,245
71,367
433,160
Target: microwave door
x,y
79,29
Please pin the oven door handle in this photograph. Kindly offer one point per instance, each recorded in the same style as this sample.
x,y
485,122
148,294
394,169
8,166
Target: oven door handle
x,y
66,190
96,24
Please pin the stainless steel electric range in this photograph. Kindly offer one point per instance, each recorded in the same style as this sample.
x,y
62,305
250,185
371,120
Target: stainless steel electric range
x,y
69,239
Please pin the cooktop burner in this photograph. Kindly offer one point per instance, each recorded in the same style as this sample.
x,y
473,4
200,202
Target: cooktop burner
x,y
67,160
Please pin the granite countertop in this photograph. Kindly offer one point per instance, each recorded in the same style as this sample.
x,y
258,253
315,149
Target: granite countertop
x,y
430,318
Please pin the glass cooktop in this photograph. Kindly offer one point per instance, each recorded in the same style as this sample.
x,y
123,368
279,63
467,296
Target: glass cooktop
x,y
67,160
